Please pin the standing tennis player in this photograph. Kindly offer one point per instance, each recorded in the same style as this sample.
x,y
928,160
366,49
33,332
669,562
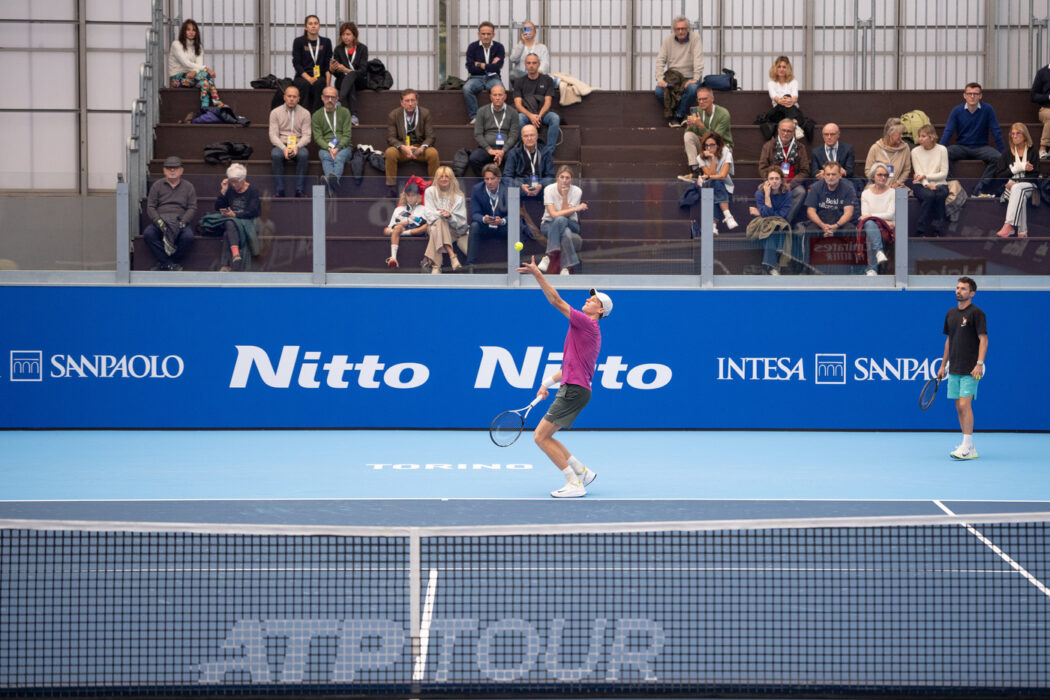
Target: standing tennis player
x,y
964,351
579,358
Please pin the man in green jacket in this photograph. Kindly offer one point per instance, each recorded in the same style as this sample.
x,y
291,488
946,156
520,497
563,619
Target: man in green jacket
x,y
331,130
706,116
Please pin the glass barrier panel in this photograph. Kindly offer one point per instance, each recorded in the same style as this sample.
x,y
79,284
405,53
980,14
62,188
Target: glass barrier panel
x,y
57,232
278,238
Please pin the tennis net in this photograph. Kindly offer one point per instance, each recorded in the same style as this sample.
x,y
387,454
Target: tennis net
x,y
858,607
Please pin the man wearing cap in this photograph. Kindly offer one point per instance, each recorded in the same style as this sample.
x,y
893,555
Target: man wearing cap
x,y
171,207
579,358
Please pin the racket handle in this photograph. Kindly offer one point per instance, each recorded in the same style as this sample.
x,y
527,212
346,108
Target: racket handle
x,y
535,401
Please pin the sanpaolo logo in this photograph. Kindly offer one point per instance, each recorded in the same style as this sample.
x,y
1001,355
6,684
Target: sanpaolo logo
x,y
116,367
27,366
829,369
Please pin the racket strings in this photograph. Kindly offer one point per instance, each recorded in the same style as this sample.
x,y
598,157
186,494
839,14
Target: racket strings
x,y
929,391
506,428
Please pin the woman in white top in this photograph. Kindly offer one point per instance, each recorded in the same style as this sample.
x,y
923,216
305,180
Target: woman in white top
x,y
186,66
562,201
783,93
929,161
878,206
445,210
408,219
528,44
1017,166
715,161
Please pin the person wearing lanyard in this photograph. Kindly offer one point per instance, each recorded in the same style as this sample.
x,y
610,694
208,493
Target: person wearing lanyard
x,y
706,116
528,167
349,67
488,212
409,136
311,57
786,154
290,133
484,62
331,129
496,130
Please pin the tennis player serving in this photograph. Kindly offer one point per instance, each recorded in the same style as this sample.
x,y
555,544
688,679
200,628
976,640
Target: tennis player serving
x,y
964,351
579,358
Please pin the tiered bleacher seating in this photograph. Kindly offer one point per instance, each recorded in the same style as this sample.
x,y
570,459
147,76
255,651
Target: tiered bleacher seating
x,y
628,158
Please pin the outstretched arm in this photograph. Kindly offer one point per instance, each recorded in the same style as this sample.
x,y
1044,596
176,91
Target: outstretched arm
x,y
548,291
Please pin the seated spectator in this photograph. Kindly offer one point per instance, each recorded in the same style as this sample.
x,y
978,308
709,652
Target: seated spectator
x,y
562,203
533,96
783,91
716,171
240,203
830,205
445,210
290,134
527,166
1017,166
311,58
331,129
681,58
496,130
409,136
349,66
836,150
891,151
785,153
527,44
484,63
970,123
772,203
488,212
706,116
877,207
1041,96
186,66
171,206
408,219
929,161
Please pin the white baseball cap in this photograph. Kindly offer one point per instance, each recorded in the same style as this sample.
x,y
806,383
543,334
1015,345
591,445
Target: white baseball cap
x,y
606,301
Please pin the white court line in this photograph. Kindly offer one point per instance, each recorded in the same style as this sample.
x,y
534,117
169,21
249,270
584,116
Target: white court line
x,y
424,627
1003,555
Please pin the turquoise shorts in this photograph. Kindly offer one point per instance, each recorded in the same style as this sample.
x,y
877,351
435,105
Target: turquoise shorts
x,y
961,386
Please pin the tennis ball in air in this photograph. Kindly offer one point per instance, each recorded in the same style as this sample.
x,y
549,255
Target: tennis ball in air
x,y
519,245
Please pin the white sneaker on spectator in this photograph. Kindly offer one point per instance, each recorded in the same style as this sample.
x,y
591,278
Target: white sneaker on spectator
x,y
573,490
545,262
871,273
730,221
880,257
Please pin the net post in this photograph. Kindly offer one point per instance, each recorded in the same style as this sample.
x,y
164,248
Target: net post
x,y
414,590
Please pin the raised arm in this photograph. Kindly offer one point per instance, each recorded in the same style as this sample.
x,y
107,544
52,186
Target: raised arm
x,y
548,291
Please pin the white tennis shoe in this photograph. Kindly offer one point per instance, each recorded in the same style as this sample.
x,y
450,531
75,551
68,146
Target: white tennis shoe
x,y
587,477
573,490
964,452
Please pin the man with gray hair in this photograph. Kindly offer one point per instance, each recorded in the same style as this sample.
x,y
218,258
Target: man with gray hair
x,y
239,202
682,52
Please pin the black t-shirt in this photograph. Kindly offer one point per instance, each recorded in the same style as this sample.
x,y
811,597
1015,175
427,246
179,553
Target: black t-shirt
x,y
963,328
533,93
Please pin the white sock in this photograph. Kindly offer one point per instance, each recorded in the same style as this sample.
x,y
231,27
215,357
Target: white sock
x,y
967,440
393,251
570,475
577,465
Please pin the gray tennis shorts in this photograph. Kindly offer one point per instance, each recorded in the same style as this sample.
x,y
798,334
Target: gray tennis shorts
x,y
567,405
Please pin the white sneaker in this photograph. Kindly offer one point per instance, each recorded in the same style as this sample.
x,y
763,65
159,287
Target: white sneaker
x,y
963,452
435,270
871,273
564,271
573,490
587,477
714,228
880,257
775,272
730,221
545,262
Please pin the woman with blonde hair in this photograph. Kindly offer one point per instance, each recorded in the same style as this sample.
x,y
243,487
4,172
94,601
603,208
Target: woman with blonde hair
x,y
783,92
562,202
1017,166
892,151
445,211
878,209
526,45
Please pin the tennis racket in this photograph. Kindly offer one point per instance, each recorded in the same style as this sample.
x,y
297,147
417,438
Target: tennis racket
x,y
506,427
929,392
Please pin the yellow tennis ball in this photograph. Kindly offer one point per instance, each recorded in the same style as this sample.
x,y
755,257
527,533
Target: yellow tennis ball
x,y
519,245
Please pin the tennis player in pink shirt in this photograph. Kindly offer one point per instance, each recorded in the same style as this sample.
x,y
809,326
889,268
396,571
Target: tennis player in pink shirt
x,y
579,358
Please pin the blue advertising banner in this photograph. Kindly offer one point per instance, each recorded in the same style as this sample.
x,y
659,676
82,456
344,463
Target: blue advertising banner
x,y
428,358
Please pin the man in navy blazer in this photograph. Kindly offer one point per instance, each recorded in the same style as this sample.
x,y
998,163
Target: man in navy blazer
x,y
488,211
838,151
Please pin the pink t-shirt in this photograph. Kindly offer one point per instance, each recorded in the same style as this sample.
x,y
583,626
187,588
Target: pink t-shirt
x,y
582,343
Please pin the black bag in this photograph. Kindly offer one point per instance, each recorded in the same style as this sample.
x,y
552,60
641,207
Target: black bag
x,y
726,80
452,82
368,155
460,160
278,96
357,166
222,115
225,152
267,83
377,77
